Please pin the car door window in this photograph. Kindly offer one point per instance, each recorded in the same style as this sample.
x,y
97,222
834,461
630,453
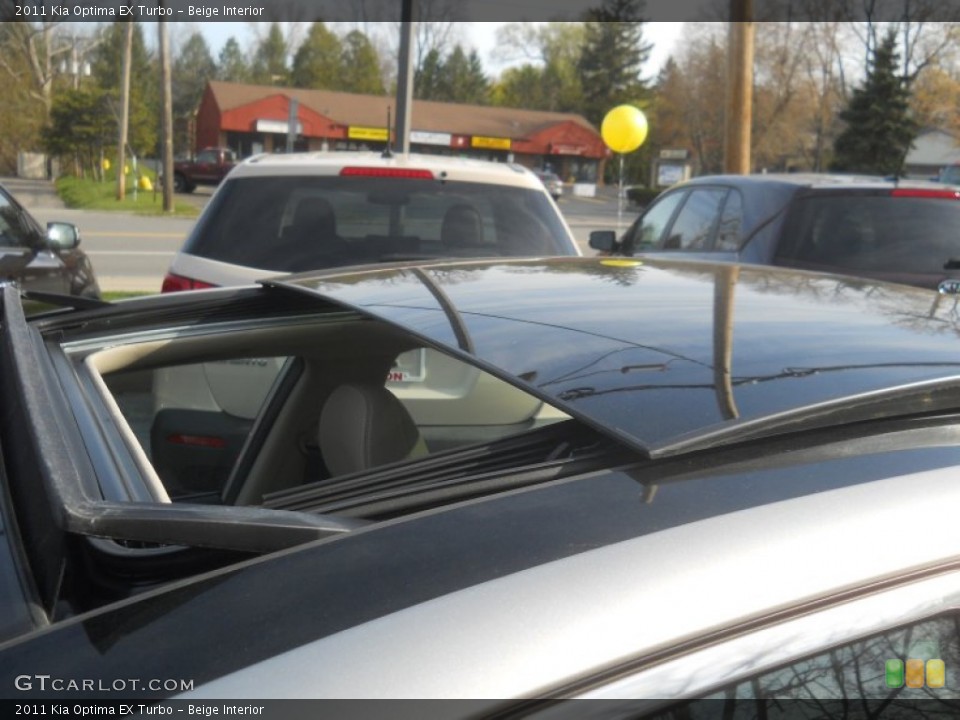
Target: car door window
x,y
646,232
207,157
731,222
694,226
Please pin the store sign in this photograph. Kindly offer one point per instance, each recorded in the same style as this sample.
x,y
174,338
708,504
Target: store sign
x,y
281,127
490,143
367,133
430,138
674,154
567,149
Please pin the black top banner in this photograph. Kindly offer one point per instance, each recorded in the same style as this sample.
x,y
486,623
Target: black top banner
x,y
477,10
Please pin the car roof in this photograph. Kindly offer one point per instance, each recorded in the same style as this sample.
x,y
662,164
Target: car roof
x,y
636,347
820,181
456,169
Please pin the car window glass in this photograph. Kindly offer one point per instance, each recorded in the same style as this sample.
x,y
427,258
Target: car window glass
x,y
15,230
731,222
646,232
920,661
695,222
876,233
304,223
193,421
207,156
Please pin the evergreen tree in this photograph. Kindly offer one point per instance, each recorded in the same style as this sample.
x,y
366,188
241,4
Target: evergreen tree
x,y
81,125
879,129
361,65
107,70
270,59
192,70
612,57
232,66
463,80
428,81
318,62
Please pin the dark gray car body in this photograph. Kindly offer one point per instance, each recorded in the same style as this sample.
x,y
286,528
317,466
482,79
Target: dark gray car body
x,y
750,447
893,230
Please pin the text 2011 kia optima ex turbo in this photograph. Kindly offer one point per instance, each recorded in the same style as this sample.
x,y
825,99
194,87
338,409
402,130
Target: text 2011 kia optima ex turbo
x,y
647,481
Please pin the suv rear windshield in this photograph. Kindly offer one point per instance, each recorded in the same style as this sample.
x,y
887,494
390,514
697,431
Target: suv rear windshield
x,y
879,235
304,223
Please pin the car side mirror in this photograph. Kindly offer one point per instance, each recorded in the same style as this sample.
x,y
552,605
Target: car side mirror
x,y
604,241
62,236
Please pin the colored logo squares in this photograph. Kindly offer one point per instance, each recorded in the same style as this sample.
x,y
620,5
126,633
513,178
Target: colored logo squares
x,y
915,673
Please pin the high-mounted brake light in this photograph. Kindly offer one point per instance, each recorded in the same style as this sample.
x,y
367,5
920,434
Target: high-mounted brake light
x,y
408,173
176,283
926,193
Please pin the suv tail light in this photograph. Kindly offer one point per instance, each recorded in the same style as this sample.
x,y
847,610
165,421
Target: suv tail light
x,y
408,173
176,283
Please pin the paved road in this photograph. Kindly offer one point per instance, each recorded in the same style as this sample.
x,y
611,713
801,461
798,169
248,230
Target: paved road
x,y
133,252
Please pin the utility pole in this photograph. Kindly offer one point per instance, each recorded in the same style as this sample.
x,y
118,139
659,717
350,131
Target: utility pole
x,y
167,94
408,15
739,88
124,110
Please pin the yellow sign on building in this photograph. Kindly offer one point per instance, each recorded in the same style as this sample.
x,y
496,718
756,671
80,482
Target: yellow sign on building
x,y
367,133
491,143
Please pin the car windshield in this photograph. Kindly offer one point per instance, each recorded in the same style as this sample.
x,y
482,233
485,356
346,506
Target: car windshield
x,y
290,224
874,233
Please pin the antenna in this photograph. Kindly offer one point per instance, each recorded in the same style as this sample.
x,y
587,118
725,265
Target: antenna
x,y
388,150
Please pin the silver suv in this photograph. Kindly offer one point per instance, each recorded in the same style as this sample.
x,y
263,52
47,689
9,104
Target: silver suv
x,y
288,213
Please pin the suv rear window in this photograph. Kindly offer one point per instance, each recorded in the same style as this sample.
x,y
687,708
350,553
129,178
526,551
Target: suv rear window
x,y
878,234
305,223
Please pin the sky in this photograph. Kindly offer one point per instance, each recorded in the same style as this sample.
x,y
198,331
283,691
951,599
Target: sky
x,y
479,35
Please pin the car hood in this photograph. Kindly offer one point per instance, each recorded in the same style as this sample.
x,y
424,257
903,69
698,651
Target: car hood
x,y
669,354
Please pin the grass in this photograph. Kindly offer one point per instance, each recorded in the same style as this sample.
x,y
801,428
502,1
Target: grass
x,y
111,295
89,194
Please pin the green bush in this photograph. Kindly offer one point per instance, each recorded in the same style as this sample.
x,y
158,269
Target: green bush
x,y
642,196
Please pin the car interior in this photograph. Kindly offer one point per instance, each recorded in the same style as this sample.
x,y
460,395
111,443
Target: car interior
x,y
334,399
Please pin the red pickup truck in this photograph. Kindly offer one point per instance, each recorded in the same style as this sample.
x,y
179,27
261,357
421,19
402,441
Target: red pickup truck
x,y
209,168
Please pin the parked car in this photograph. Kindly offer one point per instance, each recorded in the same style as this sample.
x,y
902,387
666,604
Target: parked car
x,y
950,174
552,182
44,261
901,231
308,211
746,491
209,167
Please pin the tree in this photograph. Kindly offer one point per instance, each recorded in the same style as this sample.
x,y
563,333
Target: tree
x,y
879,129
318,62
463,78
81,125
552,80
428,79
232,66
361,65
144,101
270,59
192,70
612,57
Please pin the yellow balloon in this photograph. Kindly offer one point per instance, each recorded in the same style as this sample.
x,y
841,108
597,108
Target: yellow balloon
x,y
624,128
106,164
